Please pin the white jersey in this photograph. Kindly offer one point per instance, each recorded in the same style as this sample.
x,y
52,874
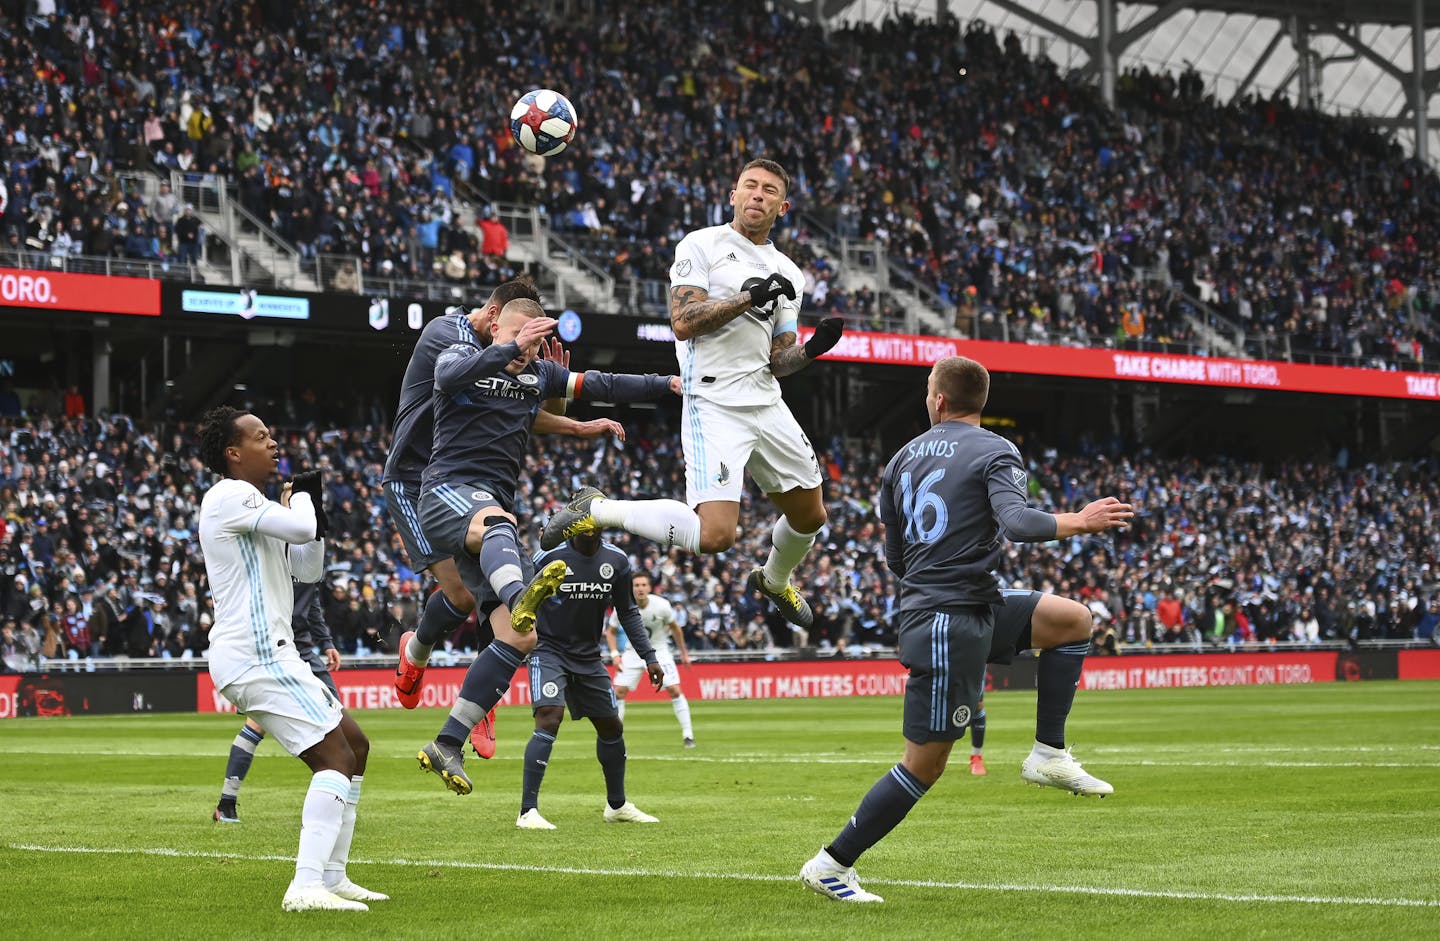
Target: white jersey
x,y
657,616
246,540
732,365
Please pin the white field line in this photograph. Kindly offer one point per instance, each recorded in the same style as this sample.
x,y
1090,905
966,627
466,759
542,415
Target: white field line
x,y
1244,898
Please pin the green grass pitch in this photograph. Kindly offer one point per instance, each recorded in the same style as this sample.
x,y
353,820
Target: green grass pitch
x,y
1261,812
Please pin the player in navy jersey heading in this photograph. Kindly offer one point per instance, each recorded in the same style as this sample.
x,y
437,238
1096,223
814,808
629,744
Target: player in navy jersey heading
x,y
566,668
485,405
735,313
946,500
315,647
410,450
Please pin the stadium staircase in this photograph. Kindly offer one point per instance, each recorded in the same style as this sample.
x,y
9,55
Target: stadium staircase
x,y
563,272
248,252
865,264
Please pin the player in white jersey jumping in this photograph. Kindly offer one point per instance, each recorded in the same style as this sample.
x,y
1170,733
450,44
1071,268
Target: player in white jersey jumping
x,y
659,619
735,315
252,547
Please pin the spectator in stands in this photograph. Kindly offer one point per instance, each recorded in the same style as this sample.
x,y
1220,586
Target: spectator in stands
x,y
188,235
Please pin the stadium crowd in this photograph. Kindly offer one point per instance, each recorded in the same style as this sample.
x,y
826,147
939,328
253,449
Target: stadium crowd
x,y
1004,186
99,554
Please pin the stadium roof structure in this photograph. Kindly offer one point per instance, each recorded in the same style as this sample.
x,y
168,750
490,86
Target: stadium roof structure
x,y
1371,58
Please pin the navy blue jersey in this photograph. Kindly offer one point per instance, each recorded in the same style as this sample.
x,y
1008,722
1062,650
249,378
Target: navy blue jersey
x,y
312,634
414,417
483,415
946,498
572,621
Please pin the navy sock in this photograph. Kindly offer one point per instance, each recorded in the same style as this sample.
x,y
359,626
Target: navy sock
x,y
485,683
1058,674
500,560
880,811
438,620
242,753
537,759
977,731
611,752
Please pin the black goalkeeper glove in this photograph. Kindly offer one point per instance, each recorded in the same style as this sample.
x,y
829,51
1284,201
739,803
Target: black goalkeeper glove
x,y
310,482
770,289
826,335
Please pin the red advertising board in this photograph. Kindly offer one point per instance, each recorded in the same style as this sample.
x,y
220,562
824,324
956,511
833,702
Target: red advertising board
x,y
373,689
9,696
1167,671
92,293
905,350
1419,664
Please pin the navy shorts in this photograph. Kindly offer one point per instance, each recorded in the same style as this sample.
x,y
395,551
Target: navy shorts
x,y
445,514
1012,624
559,680
945,651
402,500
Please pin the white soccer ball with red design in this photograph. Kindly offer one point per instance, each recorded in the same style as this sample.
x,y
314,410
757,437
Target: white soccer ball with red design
x,y
544,122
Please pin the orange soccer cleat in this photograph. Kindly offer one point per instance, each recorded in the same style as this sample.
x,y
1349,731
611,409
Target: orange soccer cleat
x,y
482,737
409,677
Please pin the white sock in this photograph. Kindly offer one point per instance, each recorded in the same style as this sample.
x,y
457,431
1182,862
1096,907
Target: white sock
x,y
620,704
668,522
788,548
418,653
320,823
340,855
681,705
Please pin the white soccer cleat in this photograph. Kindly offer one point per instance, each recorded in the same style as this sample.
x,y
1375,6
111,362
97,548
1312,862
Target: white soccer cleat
x,y
628,813
531,820
832,880
314,897
1056,767
356,893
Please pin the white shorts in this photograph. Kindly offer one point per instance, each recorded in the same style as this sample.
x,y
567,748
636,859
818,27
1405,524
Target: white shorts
x,y
288,700
632,668
721,442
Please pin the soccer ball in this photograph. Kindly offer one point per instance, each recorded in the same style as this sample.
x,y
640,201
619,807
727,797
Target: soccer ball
x,y
544,122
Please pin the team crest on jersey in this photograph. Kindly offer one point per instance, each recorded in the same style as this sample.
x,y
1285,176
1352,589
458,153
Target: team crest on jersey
x,y
682,268
480,496
607,570
550,690
526,378
723,477
961,718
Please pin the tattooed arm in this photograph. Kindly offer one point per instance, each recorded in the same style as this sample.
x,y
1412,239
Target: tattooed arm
x,y
786,356
693,314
